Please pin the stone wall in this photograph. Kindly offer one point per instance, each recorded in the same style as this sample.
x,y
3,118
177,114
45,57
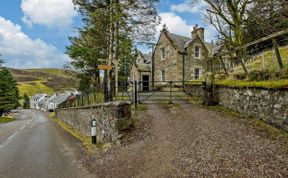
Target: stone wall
x,y
268,105
195,90
112,119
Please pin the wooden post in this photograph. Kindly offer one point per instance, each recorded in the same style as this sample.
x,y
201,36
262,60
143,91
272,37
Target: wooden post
x,y
243,60
276,48
209,85
263,62
135,94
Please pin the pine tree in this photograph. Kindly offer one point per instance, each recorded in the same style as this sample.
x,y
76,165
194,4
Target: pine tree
x,y
9,95
110,29
26,104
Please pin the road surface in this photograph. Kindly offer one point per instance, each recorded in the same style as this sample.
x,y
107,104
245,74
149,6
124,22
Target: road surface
x,y
33,146
185,140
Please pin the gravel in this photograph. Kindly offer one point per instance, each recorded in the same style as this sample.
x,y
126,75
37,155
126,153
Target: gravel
x,y
185,140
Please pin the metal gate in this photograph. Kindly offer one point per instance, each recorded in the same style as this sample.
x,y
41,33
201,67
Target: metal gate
x,y
148,91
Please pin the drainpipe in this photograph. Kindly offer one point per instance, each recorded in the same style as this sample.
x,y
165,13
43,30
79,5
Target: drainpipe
x,y
183,68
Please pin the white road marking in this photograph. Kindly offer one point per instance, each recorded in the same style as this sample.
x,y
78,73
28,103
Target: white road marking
x,y
17,131
9,138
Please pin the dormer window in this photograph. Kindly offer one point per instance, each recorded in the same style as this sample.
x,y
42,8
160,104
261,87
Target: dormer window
x,y
162,53
197,52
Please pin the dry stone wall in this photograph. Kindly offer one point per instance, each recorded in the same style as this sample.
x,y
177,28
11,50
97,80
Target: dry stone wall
x,y
112,119
268,105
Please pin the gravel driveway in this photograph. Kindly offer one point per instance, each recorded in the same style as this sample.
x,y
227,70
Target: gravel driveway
x,y
186,140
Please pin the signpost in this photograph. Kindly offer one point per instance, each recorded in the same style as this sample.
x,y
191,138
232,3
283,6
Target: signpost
x,y
104,67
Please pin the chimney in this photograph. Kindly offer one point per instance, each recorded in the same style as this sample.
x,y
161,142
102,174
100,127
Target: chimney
x,y
198,31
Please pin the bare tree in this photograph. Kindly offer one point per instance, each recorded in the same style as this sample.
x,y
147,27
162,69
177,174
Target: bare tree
x,y
228,17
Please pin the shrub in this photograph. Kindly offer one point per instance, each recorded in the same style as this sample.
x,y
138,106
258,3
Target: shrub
x,y
259,75
239,76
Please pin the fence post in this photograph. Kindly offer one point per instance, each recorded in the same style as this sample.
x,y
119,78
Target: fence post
x,y
135,94
122,86
209,84
275,44
170,101
82,98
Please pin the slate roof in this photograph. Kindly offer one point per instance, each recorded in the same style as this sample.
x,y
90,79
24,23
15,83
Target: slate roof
x,y
143,67
42,101
60,99
179,40
182,42
38,96
147,57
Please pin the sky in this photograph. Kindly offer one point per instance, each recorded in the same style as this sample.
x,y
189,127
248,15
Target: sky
x,y
34,33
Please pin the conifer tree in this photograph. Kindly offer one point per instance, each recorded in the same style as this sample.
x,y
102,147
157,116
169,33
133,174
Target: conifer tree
x,y
26,104
9,95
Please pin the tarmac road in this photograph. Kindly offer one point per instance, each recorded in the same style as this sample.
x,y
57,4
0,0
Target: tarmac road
x,y
33,146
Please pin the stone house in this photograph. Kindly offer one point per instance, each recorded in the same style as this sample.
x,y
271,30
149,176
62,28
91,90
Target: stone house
x,y
142,70
179,58
36,100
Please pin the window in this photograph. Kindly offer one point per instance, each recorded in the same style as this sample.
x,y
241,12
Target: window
x,y
162,51
197,52
197,74
162,76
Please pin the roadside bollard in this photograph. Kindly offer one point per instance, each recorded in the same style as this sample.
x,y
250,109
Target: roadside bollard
x,y
93,130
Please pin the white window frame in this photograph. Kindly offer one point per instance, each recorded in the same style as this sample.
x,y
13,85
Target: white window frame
x,y
199,55
163,53
162,76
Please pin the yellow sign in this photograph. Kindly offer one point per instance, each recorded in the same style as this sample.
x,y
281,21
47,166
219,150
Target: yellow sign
x,y
104,67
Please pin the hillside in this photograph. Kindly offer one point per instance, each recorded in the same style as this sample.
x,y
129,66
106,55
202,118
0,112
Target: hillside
x,y
32,81
265,61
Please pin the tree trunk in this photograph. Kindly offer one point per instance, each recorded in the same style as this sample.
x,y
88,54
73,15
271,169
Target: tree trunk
x,y
223,65
117,46
111,43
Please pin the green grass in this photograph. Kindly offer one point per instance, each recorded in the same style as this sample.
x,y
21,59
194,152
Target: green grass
x,y
270,84
31,88
6,119
270,62
46,80
254,84
86,141
195,82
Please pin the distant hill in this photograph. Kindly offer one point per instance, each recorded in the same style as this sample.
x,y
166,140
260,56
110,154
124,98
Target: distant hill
x,y
46,80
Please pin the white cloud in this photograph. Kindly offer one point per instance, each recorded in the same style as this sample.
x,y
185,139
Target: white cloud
x,y
20,51
196,6
59,13
175,24
178,25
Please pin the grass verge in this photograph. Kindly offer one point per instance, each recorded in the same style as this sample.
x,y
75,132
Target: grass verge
x,y
6,119
253,84
86,141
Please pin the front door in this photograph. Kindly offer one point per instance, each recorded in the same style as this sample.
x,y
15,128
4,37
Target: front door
x,y
145,79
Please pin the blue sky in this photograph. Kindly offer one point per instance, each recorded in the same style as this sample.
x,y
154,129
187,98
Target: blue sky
x,y
34,33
